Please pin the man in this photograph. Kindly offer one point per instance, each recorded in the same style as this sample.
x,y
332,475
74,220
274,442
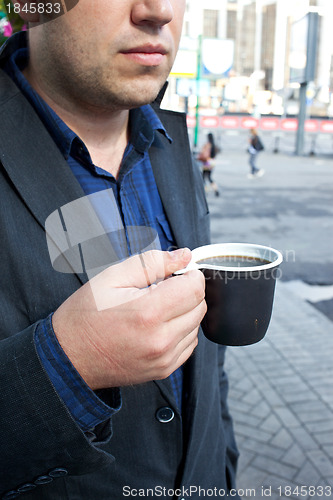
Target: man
x,y
108,387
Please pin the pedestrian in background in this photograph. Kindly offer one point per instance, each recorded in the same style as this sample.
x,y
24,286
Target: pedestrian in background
x,y
207,157
254,148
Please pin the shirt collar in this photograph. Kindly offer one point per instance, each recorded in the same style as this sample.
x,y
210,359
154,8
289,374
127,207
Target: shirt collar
x,y
143,121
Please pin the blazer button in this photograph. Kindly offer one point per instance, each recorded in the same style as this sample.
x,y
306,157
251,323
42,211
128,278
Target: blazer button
x,y
10,494
58,472
26,487
43,480
165,414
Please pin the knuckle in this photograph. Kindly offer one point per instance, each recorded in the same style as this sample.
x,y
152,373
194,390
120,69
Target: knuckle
x,y
159,348
164,371
199,288
148,319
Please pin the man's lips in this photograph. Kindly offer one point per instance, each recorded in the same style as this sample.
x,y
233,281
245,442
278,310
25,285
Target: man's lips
x,y
147,55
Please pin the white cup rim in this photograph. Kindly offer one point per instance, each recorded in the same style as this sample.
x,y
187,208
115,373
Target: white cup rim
x,y
240,249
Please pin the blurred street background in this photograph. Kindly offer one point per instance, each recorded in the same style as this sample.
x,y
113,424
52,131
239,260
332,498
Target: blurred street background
x,y
281,389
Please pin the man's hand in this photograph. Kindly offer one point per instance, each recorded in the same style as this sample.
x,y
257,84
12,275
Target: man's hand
x,y
130,325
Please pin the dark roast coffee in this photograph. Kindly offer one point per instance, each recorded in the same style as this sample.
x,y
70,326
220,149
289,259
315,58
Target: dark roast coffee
x,y
234,261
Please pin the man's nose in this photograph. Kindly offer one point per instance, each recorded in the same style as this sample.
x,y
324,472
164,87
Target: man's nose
x,y
154,12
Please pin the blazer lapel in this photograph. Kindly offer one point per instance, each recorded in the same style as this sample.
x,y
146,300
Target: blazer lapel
x,y
173,173
31,158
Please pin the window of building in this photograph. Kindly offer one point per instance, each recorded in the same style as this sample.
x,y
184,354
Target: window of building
x,y
210,23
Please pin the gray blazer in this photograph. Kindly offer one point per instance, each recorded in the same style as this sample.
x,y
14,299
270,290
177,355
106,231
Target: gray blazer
x,y
44,454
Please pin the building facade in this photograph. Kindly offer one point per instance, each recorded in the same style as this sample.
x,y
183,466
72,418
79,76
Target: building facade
x,y
260,30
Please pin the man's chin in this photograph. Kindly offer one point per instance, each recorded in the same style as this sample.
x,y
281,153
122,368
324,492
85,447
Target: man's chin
x,y
132,103
140,91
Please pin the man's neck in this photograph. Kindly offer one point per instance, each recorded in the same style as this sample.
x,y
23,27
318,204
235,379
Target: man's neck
x,y
105,134
105,137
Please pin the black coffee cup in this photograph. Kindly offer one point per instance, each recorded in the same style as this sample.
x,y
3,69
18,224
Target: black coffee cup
x,y
240,285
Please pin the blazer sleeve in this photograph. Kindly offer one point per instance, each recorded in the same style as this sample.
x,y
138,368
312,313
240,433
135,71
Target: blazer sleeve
x,y
39,438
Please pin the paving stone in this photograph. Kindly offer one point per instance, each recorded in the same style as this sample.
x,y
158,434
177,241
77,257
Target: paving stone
x,y
324,426
282,439
248,419
263,449
301,397
292,383
307,475
237,395
273,398
303,438
250,432
274,370
321,462
316,417
238,405
325,389
274,466
329,450
287,417
271,424
323,376
261,410
323,438
275,367
253,397
260,379
294,456
309,406
244,385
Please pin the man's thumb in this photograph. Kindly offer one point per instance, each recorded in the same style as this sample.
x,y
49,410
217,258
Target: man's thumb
x,y
147,268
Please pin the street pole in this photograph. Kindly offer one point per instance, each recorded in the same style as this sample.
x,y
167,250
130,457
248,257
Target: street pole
x,y
309,75
301,119
197,117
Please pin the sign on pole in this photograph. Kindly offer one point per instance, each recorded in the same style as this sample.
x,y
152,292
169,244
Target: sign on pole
x,y
217,57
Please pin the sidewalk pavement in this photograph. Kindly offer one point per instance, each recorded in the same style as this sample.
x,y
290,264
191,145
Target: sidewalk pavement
x,y
281,400
281,389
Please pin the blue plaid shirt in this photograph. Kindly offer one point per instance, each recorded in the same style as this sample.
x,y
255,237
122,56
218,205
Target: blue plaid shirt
x,y
138,204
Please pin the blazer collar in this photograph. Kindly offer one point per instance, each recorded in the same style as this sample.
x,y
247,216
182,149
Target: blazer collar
x,y
173,173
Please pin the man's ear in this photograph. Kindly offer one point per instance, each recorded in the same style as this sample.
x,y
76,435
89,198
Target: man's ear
x,y
28,10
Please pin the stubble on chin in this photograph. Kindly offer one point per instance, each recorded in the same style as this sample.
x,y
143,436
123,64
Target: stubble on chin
x,y
128,93
137,97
